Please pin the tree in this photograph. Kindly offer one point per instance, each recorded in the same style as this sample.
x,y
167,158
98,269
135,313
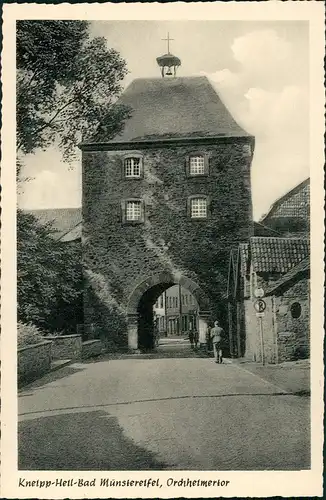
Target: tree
x,y
67,86
49,277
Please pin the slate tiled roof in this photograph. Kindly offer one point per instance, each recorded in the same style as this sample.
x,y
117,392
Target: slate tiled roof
x,y
277,255
301,269
65,221
167,108
295,203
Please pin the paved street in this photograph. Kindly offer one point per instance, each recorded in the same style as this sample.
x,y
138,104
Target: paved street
x,y
161,413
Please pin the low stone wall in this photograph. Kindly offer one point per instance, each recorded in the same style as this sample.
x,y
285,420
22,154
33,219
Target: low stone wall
x,y
33,361
292,346
66,346
91,348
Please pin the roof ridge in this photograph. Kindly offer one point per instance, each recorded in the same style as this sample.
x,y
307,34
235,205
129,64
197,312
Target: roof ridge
x,y
168,79
53,208
292,238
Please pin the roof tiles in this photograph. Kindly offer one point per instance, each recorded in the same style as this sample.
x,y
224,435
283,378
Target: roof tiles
x,y
300,269
277,255
295,203
64,220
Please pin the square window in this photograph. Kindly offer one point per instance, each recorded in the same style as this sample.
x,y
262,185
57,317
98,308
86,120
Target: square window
x,y
133,210
132,167
199,208
197,165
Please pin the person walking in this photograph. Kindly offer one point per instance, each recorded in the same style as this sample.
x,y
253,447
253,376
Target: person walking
x,y
191,339
156,333
196,338
216,335
209,346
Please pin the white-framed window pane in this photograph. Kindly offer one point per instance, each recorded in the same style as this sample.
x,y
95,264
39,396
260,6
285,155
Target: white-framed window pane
x,y
198,208
132,167
197,165
133,210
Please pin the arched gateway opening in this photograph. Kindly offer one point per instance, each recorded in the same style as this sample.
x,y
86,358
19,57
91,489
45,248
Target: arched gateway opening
x,y
142,300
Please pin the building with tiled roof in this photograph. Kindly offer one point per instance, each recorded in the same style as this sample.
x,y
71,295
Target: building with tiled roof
x,y
290,214
66,222
277,255
277,266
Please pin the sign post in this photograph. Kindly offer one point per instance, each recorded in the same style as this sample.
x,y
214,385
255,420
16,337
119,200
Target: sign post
x,y
262,340
260,306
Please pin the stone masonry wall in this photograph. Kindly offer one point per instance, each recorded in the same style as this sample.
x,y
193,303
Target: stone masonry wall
x,y
91,348
293,333
117,257
66,346
33,361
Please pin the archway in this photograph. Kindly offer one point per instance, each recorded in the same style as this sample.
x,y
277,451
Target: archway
x,y
144,296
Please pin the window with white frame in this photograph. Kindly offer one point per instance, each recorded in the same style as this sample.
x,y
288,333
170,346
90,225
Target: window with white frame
x,y
134,210
197,165
132,167
198,208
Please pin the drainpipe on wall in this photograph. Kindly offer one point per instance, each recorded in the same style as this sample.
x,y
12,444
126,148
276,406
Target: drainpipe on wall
x,y
180,311
165,315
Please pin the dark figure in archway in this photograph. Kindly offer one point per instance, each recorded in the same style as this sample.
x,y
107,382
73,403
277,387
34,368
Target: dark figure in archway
x,y
196,338
145,326
191,339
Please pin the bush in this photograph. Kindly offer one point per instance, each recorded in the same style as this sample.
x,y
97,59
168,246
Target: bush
x,y
28,334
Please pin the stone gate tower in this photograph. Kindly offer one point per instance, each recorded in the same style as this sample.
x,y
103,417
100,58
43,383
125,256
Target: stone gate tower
x,y
163,203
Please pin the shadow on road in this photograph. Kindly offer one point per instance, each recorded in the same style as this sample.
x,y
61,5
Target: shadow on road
x,y
80,441
50,377
162,352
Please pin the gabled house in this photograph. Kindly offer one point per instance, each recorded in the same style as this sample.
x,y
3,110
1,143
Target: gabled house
x,y
290,214
289,298
265,263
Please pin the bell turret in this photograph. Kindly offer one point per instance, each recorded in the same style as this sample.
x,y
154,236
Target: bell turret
x,y
168,61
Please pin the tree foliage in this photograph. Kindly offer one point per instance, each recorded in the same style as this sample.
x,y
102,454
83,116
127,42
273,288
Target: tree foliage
x,y
49,277
67,85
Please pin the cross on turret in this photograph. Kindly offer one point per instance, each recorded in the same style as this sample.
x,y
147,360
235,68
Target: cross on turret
x,y
168,60
168,39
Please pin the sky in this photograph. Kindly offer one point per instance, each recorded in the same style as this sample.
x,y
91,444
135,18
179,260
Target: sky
x,y
259,69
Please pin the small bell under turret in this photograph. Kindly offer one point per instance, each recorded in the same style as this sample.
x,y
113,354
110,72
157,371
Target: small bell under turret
x,y
168,61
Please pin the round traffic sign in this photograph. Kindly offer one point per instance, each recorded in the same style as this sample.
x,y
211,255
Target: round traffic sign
x,y
260,305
